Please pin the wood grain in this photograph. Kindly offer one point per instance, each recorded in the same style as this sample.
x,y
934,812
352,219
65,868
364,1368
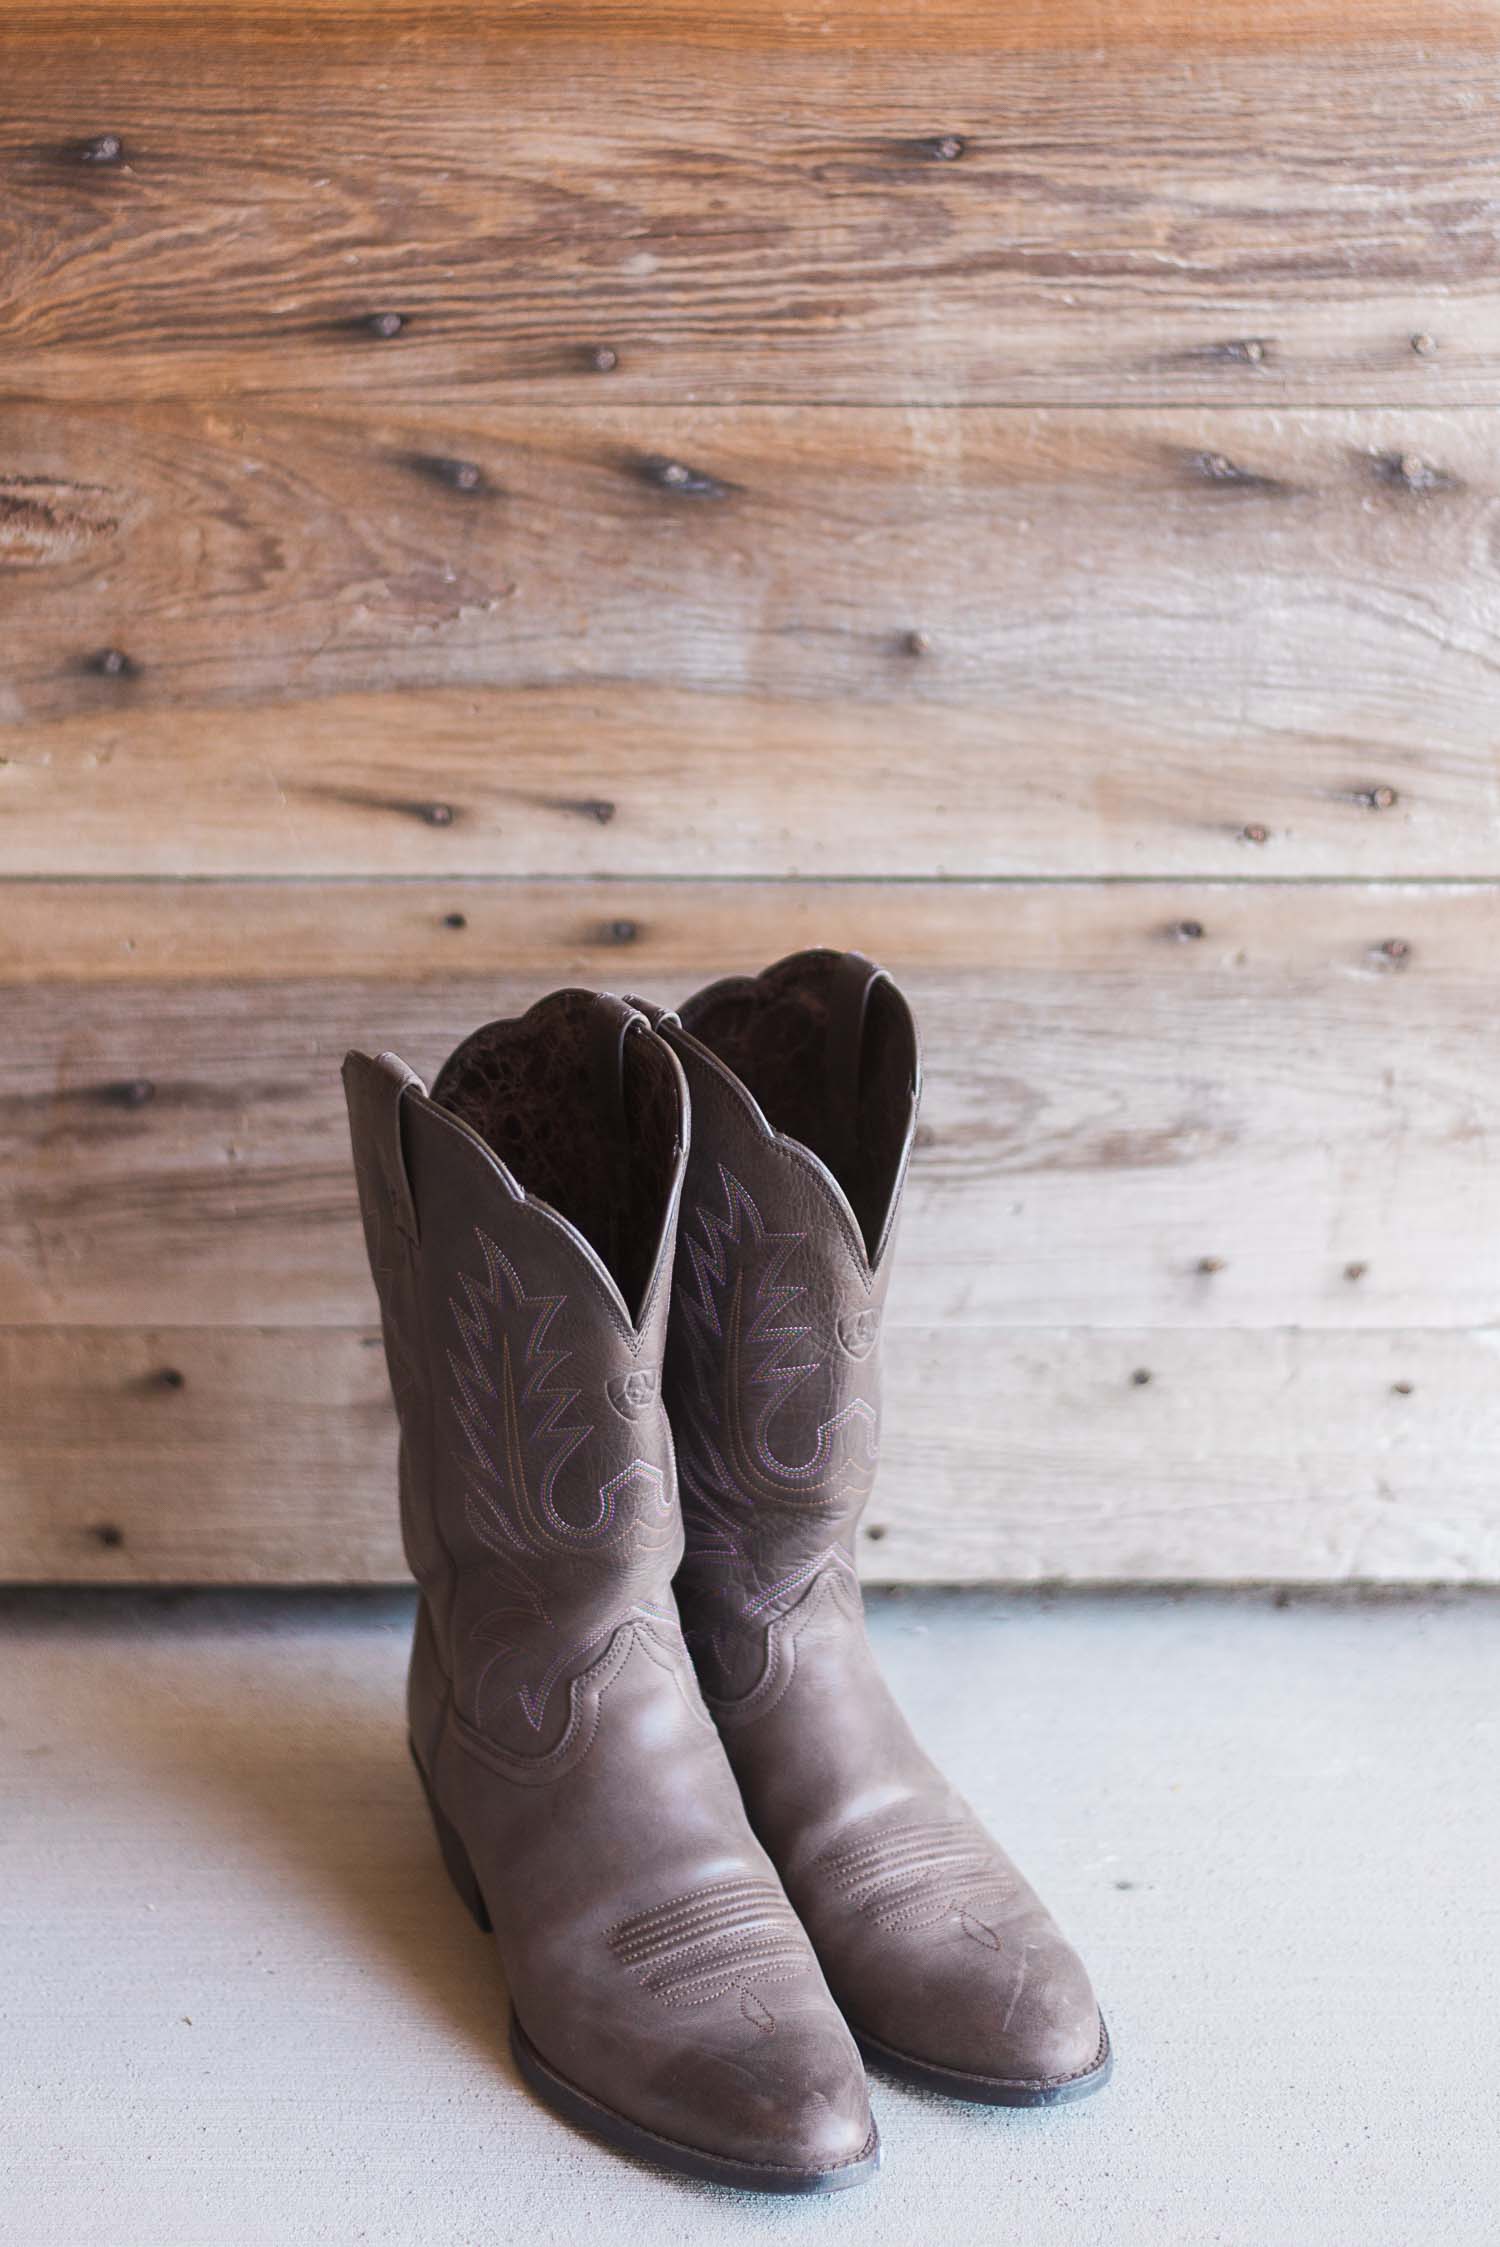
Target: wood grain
x,y
1165,202
1293,1083
267,1456
515,641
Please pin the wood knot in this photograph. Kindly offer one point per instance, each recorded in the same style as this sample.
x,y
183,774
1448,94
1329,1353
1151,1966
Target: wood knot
x,y
131,1092
1409,472
681,480
464,476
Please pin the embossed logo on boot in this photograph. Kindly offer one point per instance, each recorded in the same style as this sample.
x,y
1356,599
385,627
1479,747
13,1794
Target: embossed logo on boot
x,y
633,1393
859,1331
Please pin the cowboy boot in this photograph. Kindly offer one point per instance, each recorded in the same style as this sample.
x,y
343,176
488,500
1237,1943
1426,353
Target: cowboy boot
x,y
521,1221
804,1084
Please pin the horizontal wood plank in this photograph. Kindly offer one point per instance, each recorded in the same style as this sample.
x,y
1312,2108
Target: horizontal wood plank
x,y
1094,202
1149,1105
763,641
268,1457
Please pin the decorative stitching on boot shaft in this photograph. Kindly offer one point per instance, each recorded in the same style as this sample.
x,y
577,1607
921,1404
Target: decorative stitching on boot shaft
x,y
517,1430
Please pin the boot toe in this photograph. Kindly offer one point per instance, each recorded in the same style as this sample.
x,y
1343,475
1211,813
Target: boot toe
x,y
1023,2029
796,2104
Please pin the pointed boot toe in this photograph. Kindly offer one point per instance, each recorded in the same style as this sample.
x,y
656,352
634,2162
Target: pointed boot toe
x,y
793,2121
1017,2026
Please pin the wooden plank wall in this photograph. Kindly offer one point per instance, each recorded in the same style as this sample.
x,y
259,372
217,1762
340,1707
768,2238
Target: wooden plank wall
x,y
496,495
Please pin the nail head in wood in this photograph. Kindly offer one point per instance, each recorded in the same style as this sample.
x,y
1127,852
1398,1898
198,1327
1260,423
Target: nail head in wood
x,y
1378,799
1141,1377
1255,833
386,324
455,920
1210,1264
1395,948
917,643
947,148
1355,1271
1424,345
1402,1388
685,482
170,1378
603,360
103,148
1187,932
108,1533
437,815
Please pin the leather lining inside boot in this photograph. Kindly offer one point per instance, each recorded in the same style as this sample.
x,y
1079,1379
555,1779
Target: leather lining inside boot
x,y
529,1086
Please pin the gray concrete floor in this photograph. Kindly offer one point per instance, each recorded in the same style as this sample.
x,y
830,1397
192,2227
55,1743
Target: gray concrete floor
x,y
240,2005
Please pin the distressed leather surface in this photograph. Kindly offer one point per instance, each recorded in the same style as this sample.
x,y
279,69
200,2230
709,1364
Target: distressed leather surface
x,y
932,1941
651,1954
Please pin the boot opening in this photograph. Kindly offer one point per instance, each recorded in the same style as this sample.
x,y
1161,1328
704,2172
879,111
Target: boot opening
x,y
601,1151
850,1099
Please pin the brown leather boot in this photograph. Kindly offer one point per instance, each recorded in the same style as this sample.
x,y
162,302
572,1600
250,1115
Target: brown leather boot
x,y
804,1083
521,1222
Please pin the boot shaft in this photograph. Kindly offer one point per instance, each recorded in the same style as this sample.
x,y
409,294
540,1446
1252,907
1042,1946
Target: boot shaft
x,y
804,1083
520,1222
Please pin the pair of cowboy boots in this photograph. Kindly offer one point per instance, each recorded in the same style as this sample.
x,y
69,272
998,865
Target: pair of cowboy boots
x,y
699,1866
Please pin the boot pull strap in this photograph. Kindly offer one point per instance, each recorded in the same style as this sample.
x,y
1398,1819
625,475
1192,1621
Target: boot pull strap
x,y
610,1022
854,978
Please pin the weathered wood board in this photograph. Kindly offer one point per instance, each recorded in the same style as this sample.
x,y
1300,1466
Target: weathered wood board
x,y
959,201
914,642
268,1456
1295,1083
611,491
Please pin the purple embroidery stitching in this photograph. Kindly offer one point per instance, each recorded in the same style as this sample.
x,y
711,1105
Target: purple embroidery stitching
x,y
499,1504
716,1277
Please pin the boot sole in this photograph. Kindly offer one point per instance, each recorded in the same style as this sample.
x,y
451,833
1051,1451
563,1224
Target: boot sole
x,y
990,2090
602,2122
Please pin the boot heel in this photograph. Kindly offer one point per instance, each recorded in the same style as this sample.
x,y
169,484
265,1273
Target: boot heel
x,y
456,1859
